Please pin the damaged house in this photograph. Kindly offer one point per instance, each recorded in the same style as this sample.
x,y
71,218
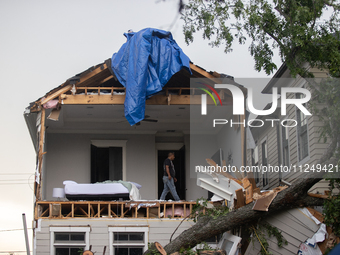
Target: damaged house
x,y
294,143
101,143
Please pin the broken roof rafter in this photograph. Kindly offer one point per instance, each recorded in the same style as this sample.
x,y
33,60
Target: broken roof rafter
x,y
87,77
100,74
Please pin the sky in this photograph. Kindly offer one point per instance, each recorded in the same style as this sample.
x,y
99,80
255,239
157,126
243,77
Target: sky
x,y
43,43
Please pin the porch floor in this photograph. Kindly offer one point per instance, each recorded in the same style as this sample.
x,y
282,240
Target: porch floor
x,y
112,209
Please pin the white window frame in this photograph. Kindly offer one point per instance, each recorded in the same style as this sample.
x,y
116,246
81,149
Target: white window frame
x,y
256,174
113,143
231,238
260,148
282,149
54,230
144,229
307,158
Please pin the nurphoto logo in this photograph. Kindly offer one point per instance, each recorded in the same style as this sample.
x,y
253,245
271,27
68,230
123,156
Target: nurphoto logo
x,y
239,103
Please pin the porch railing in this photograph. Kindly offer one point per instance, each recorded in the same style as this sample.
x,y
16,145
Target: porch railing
x,y
112,209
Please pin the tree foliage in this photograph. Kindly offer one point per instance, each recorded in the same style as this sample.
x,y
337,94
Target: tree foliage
x,y
306,35
305,38
297,29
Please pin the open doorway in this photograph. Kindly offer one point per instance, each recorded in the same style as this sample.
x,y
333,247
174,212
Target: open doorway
x,y
179,164
106,164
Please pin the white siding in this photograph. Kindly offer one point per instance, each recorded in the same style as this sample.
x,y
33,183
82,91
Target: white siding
x,y
159,230
295,227
316,145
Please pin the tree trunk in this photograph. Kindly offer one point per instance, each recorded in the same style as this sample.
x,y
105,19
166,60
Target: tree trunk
x,y
206,227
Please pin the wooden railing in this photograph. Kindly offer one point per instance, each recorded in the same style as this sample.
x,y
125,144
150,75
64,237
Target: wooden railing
x,y
113,209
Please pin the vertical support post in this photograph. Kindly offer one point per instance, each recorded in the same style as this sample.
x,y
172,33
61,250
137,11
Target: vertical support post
x,y
41,153
244,138
26,234
121,209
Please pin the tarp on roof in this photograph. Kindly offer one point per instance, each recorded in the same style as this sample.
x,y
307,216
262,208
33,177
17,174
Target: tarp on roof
x,y
143,65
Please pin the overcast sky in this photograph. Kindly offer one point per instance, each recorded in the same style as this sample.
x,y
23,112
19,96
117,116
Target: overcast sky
x,y
43,43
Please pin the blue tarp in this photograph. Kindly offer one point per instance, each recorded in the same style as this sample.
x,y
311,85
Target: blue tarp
x,y
143,65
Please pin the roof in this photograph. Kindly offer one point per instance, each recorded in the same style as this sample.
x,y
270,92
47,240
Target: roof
x,y
268,89
101,75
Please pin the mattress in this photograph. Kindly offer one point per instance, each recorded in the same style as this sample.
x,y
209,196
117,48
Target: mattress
x,y
96,191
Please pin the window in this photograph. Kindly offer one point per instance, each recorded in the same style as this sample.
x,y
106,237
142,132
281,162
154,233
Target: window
x,y
255,162
229,243
108,160
302,135
106,164
69,240
264,162
285,149
128,240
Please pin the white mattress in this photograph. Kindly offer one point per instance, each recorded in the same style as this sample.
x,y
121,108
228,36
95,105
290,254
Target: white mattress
x,y
73,188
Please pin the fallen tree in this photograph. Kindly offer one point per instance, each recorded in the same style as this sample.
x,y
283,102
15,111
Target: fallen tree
x,y
305,39
292,197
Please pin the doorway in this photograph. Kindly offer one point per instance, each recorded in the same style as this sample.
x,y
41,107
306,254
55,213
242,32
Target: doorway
x,y
179,164
106,164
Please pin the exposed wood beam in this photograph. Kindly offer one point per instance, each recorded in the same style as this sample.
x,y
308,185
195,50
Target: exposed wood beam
x,y
119,100
91,74
41,153
105,80
56,94
81,82
209,76
204,73
96,76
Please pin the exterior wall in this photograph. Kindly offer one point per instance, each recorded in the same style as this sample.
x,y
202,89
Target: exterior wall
x,y
295,227
69,158
193,191
316,147
160,230
201,148
229,139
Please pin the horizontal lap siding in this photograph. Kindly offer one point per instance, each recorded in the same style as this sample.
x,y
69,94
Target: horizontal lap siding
x,y
294,226
273,156
159,230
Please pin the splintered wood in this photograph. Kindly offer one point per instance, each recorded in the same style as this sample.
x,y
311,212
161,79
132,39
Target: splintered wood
x,y
250,192
263,200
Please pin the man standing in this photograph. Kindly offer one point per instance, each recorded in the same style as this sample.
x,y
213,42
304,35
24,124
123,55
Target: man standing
x,y
169,178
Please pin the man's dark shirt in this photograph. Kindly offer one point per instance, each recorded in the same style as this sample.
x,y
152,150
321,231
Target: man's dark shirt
x,y
169,163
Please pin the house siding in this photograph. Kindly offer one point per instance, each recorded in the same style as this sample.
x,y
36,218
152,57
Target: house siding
x,y
160,230
295,227
316,145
